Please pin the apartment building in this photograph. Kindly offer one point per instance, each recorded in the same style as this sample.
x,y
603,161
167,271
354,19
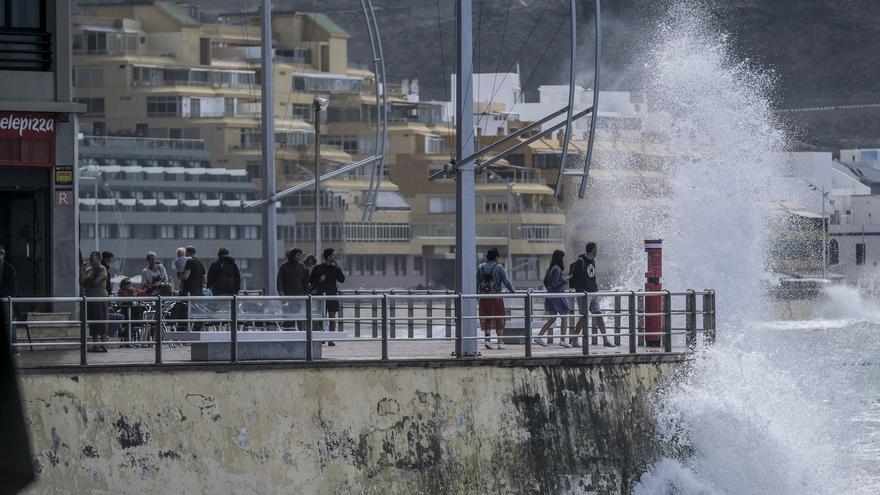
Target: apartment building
x,y
152,70
38,121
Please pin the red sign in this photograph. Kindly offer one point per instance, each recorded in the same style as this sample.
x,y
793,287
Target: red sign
x,y
27,138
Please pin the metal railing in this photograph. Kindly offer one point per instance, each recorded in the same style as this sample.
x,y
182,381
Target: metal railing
x,y
370,325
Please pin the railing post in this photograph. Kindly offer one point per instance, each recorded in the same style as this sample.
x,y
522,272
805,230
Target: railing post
x,y
158,329
449,304
528,323
374,306
410,313
667,321
233,330
458,325
429,314
640,306
586,338
691,320
385,327
83,329
309,322
709,317
633,325
617,306
357,315
392,310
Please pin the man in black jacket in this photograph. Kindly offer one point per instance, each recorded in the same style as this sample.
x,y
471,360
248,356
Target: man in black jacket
x,y
293,279
224,279
323,281
583,279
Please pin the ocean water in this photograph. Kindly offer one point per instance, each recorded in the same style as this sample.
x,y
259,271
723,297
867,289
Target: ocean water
x,y
775,407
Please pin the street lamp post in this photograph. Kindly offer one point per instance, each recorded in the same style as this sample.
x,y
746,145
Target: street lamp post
x,y
319,105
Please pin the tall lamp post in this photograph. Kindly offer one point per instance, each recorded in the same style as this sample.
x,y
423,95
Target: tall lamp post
x,y
320,104
822,191
509,209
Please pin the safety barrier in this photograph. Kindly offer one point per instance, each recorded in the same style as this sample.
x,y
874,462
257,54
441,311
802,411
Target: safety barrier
x,y
388,325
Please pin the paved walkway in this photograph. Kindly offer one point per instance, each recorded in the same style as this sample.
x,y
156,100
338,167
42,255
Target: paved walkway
x,y
349,350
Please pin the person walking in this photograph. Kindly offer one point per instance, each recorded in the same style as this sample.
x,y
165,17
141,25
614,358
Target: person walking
x,y
92,280
224,278
554,283
323,282
490,278
583,277
8,278
293,278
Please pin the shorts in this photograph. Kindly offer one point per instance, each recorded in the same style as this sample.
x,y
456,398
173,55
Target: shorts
x,y
589,302
492,307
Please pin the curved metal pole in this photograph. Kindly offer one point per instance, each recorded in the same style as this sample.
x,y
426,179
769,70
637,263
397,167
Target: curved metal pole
x,y
573,49
384,136
583,187
369,203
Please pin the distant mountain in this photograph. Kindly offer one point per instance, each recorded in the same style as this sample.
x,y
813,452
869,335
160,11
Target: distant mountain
x,y
822,50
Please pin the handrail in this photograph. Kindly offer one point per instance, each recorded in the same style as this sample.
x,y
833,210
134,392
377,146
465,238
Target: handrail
x,y
155,329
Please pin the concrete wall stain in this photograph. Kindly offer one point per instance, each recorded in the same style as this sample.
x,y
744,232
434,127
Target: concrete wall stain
x,y
507,430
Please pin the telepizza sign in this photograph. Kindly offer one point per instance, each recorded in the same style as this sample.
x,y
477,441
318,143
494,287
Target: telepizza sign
x,y
27,138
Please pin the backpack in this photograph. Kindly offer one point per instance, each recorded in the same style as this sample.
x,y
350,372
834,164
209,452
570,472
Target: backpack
x,y
226,280
578,276
487,284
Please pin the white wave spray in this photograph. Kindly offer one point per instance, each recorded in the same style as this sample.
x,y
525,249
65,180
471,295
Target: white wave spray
x,y
742,421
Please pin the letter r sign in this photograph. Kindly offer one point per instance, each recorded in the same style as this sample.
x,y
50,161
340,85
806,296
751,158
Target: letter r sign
x,y
64,199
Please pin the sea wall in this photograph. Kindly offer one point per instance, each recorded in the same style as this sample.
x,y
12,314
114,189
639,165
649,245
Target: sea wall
x,y
565,426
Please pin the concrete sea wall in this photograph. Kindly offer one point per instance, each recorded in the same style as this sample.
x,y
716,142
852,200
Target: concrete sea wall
x,y
572,426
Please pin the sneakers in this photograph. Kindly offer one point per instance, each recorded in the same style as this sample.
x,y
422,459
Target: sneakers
x,y
576,343
487,342
331,343
565,344
607,343
540,342
500,344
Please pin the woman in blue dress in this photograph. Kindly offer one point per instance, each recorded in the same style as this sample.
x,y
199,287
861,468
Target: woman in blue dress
x,y
554,282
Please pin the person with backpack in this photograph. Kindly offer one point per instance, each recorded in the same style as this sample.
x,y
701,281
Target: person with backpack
x,y
583,279
224,279
554,283
490,278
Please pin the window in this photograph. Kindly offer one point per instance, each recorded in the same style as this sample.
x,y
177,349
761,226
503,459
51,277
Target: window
x,y
167,232
233,231
833,252
22,14
399,265
441,204
417,265
495,206
251,232
209,232
254,170
348,144
547,160
525,268
243,263
302,112
860,253
88,76
158,106
187,231
94,106
432,144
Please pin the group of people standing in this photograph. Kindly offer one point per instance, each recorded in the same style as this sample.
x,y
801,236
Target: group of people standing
x,y
581,278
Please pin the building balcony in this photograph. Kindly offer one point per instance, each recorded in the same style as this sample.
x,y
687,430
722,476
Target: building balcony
x,y
118,146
